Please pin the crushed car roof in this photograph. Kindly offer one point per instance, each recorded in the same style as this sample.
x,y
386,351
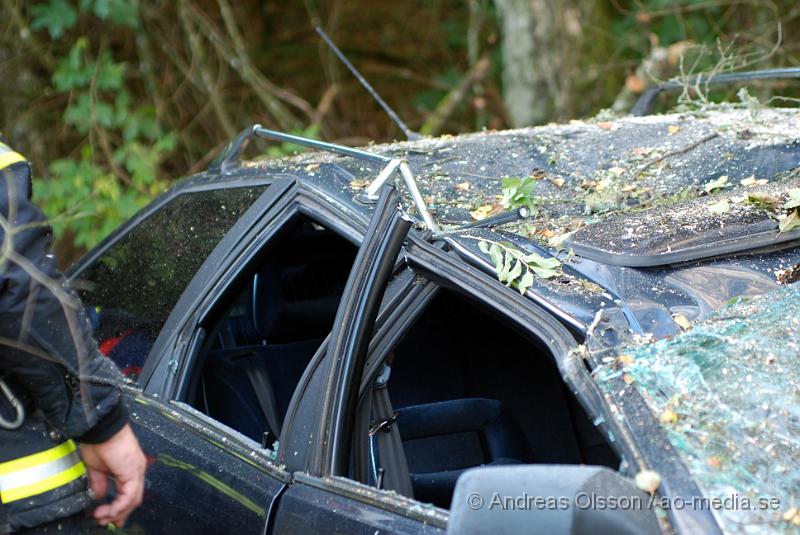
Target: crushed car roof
x,y
633,188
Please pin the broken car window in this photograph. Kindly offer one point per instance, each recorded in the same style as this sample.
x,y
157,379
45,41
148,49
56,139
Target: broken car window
x,y
726,393
131,289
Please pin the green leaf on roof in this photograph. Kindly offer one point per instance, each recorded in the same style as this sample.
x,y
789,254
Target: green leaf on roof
x,y
518,193
515,268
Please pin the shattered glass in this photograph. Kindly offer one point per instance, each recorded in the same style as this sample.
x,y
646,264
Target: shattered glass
x,y
727,393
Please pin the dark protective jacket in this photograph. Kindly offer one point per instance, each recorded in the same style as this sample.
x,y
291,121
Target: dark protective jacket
x,y
49,363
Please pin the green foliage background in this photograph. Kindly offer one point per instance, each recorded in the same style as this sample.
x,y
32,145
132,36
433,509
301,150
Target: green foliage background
x,y
112,100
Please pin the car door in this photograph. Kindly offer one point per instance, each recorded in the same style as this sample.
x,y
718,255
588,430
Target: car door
x,y
323,409
202,477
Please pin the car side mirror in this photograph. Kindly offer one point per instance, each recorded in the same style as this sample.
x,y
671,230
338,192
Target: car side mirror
x,y
552,499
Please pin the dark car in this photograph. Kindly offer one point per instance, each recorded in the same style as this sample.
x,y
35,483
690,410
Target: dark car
x,y
312,350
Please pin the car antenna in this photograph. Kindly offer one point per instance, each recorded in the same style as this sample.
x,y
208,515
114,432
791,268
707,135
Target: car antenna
x,y
410,134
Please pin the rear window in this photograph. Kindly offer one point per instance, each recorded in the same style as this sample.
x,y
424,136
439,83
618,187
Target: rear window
x,y
131,289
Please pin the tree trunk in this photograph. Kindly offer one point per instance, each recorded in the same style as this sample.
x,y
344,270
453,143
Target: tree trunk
x,y
534,88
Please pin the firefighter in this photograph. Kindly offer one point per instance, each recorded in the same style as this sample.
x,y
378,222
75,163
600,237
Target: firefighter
x,y
64,429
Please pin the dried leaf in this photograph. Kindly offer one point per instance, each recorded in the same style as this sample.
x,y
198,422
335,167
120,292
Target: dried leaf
x,y
789,275
794,199
682,322
545,233
625,360
789,222
482,212
753,181
668,417
648,481
557,181
762,200
714,462
558,240
716,185
720,207
673,129
618,171
628,378
635,84
360,183
463,186
792,515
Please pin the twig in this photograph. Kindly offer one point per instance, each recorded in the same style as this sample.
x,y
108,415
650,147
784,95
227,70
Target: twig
x,y
435,121
197,51
29,36
236,55
682,150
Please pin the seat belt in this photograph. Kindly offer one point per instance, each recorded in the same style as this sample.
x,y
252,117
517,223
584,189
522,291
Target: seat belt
x,y
265,394
384,430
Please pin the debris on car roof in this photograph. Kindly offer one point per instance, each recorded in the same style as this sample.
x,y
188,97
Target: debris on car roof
x,y
728,394
585,171
744,218
595,174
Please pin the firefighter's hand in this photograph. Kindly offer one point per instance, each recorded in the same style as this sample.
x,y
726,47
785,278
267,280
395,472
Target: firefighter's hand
x,y
121,458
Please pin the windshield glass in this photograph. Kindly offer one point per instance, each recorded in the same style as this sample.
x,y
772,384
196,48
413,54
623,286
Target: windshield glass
x,y
130,289
727,393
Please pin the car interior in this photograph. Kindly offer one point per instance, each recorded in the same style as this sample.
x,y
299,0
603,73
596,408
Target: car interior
x,y
468,390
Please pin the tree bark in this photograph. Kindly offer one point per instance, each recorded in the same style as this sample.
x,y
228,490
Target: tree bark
x,y
534,88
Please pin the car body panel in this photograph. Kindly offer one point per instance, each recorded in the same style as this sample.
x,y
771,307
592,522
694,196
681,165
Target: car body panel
x,y
319,509
198,480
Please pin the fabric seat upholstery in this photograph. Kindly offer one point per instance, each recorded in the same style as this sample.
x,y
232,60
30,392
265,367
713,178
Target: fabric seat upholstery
x,y
441,440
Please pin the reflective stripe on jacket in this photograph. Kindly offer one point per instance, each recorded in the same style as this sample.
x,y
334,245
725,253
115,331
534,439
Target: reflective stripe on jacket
x,y
40,472
8,156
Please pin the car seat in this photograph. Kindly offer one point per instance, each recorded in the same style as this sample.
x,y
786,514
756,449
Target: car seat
x,y
441,440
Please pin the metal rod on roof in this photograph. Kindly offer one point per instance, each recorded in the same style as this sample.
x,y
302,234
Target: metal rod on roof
x,y
372,190
410,134
522,212
411,183
322,145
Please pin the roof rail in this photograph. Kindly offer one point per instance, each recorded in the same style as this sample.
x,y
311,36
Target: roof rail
x,y
644,106
230,158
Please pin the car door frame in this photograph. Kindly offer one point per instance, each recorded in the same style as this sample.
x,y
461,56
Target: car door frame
x,y
179,341
181,337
